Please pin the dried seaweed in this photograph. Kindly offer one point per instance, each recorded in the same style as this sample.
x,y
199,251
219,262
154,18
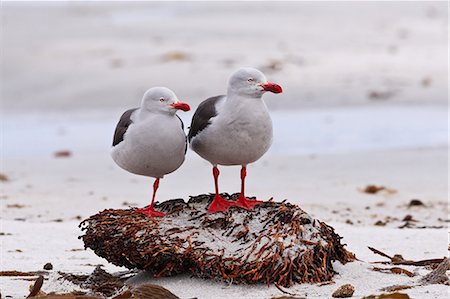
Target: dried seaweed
x,y
99,281
150,291
398,259
438,275
395,295
396,288
36,287
395,270
274,243
20,273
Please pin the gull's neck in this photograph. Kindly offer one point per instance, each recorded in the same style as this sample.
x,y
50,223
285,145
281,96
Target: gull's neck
x,y
145,114
236,104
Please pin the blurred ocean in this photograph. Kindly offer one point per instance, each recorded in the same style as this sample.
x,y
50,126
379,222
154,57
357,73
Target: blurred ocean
x,y
308,132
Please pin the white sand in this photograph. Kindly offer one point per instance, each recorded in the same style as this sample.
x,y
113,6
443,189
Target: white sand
x,y
44,242
89,62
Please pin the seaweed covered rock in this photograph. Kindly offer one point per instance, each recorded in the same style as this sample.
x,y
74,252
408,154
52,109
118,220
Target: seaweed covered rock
x,y
273,243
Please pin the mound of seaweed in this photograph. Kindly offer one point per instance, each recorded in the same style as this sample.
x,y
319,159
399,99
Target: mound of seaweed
x,y
276,242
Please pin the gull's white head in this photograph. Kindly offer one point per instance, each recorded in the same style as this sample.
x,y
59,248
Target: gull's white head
x,y
250,82
162,100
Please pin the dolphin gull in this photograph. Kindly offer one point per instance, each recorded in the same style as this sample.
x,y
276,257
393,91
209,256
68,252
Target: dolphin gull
x,y
234,129
150,140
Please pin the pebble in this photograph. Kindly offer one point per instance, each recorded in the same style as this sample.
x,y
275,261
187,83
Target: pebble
x,y
344,291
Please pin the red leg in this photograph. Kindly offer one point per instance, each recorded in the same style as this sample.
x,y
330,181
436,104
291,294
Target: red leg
x,y
219,204
243,201
150,210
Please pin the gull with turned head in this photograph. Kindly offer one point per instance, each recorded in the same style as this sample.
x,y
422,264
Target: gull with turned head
x,y
150,140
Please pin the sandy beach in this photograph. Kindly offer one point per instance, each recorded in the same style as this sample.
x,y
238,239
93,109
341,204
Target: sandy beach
x,y
363,105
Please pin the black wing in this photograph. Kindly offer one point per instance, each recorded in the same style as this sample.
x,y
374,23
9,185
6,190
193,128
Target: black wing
x,y
205,111
122,126
182,127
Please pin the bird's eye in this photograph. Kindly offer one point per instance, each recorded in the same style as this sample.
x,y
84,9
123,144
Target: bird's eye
x,y
250,80
162,100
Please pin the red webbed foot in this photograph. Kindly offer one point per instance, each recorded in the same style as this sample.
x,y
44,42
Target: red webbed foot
x,y
219,204
151,212
246,203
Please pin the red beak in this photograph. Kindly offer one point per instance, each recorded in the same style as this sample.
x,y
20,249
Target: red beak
x,y
272,87
181,106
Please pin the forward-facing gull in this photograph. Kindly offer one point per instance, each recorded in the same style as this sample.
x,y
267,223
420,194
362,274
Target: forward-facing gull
x,y
150,140
234,129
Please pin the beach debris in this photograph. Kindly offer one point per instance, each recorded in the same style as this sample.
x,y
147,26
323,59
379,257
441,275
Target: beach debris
x,y
374,189
48,266
151,291
275,243
76,249
396,288
398,259
380,95
36,287
71,295
101,284
62,154
124,295
409,222
283,291
408,218
395,270
429,226
426,82
380,223
288,297
15,206
98,281
175,56
3,178
344,291
438,275
116,63
19,273
395,295
416,203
